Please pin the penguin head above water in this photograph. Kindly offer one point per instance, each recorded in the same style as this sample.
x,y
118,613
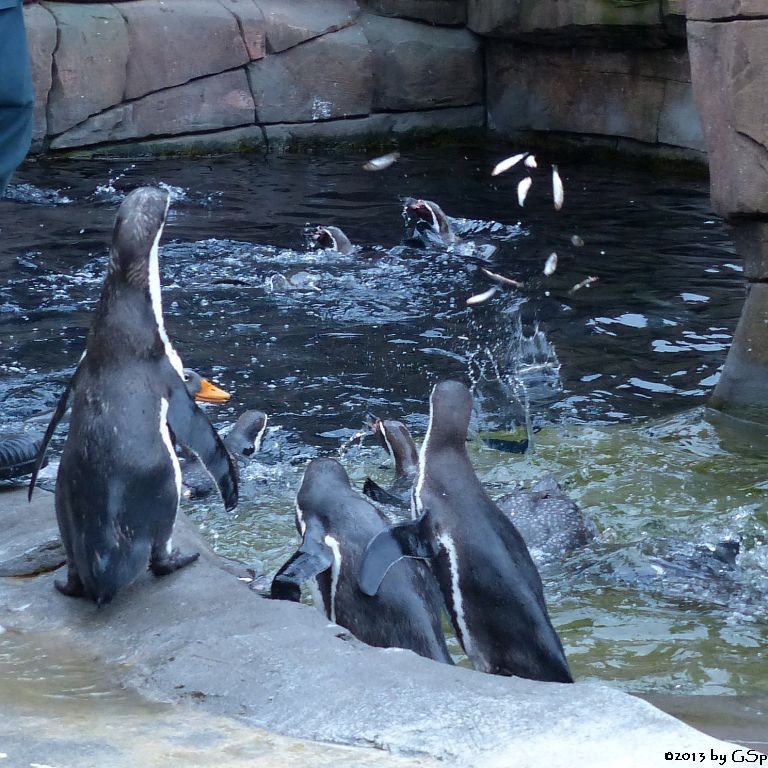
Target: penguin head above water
x,y
203,390
426,218
450,410
331,238
394,437
138,226
244,439
324,481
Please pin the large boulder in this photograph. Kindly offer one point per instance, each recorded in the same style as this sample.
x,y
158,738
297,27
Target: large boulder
x,y
41,40
720,10
296,21
211,103
326,78
591,22
730,68
90,61
421,67
443,12
174,41
638,95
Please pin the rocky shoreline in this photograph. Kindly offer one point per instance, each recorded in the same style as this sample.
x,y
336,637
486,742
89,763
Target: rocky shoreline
x,y
202,639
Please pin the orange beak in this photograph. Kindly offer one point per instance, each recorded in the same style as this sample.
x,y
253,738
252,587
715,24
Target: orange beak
x,y
210,393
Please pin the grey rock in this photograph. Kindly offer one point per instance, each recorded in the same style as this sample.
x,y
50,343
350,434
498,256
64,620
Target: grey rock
x,y
250,19
679,123
41,40
742,390
729,62
200,635
211,103
713,10
420,67
294,22
283,136
751,239
174,41
673,14
588,22
326,78
443,12
575,90
89,63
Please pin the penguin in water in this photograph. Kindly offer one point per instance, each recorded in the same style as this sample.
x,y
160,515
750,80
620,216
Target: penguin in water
x,y
335,524
395,439
427,224
489,581
331,239
203,390
118,485
242,441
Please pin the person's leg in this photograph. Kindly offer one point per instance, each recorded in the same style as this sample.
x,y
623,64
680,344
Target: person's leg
x,y
17,98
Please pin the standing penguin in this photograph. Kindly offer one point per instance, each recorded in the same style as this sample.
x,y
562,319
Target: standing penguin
x,y
336,523
118,484
491,585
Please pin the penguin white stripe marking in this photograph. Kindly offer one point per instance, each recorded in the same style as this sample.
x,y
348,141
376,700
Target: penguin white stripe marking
x,y
417,506
386,440
300,520
335,568
165,436
156,298
259,437
446,543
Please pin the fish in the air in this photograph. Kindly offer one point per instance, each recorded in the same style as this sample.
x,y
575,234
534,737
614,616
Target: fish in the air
x,y
522,190
382,163
505,165
479,298
550,265
558,193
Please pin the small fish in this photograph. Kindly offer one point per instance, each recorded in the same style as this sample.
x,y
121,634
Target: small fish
x,y
557,188
479,298
522,190
358,437
510,162
551,264
381,163
501,279
530,162
577,241
585,283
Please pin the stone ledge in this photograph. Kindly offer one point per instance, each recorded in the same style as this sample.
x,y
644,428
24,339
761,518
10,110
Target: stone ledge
x,y
277,665
714,10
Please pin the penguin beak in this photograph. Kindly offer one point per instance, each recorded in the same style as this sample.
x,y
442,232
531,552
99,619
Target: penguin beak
x,y
210,393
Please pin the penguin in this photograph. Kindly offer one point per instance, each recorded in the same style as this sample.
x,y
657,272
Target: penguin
x,y
488,579
426,223
550,522
242,441
336,523
395,439
332,239
118,485
203,390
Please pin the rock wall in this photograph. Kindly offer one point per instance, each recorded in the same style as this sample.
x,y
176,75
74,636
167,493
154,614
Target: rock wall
x,y
729,57
169,75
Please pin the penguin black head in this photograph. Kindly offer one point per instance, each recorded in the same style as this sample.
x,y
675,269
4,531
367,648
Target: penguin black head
x,y
394,437
203,390
450,412
323,479
244,439
331,238
138,226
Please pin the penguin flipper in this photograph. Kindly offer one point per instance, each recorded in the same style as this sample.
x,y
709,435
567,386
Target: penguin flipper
x,y
381,496
61,409
191,428
387,547
309,560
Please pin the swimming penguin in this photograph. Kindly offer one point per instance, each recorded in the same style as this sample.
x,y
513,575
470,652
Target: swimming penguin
x,y
118,485
426,223
396,440
336,523
491,585
242,441
331,238
550,522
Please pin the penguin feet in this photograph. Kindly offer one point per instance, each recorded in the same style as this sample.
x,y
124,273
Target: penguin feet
x,y
72,587
169,563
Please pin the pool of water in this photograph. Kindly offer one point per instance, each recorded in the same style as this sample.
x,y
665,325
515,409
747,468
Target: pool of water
x,y
610,381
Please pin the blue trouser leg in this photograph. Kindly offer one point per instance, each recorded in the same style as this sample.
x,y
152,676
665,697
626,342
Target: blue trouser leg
x,y
17,98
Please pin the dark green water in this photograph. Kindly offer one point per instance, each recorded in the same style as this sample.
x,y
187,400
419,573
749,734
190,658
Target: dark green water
x,y
614,377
